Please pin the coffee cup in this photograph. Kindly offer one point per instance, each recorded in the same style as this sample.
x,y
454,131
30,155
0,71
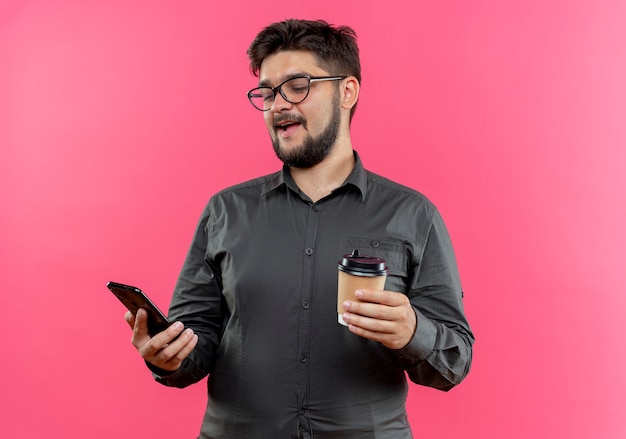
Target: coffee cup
x,y
357,271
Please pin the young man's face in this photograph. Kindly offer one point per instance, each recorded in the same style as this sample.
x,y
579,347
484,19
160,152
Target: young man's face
x,y
302,134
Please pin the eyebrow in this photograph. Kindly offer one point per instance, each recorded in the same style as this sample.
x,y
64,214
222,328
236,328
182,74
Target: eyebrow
x,y
266,83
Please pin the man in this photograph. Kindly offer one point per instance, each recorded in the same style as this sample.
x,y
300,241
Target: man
x,y
257,292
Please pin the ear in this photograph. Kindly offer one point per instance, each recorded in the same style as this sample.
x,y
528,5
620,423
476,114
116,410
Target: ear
x,y
350,92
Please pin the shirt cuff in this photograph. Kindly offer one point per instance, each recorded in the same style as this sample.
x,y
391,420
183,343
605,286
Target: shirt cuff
x,y
423,341
160,373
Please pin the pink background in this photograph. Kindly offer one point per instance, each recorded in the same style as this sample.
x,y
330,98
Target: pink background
x,y
118,120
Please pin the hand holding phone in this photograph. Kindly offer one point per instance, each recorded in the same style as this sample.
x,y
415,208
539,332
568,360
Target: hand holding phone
x,y
165,345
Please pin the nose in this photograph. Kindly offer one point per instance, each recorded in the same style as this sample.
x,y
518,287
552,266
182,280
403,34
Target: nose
x,y
280,103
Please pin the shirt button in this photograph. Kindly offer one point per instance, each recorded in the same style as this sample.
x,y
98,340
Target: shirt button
x,y
375,244
305,305
301,411
316,208
309,251
303,358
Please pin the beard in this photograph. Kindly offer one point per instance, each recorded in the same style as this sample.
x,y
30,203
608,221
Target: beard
x,y
313,149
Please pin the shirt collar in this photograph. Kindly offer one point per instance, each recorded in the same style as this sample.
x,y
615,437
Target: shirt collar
x,y
357,178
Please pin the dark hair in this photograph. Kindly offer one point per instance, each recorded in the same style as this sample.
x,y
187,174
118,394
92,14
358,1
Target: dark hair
x,y
335,47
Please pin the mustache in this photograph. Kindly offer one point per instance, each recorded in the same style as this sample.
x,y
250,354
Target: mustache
x,y
286,117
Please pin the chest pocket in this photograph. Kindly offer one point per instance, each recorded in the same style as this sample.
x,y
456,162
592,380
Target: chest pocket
x,y
393,252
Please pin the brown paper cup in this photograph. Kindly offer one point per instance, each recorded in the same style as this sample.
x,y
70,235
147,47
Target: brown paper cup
x,y
347,286
358,271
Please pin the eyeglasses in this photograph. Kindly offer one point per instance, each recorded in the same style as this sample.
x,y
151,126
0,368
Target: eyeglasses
x,y
293,90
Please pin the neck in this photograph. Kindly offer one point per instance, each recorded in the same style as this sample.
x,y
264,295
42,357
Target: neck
x,y
320,180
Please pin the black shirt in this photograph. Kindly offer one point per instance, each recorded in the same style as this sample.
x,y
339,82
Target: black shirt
x,y
259,287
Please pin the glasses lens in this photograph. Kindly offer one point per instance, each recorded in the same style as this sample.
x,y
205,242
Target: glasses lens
x,y
296,89
262,97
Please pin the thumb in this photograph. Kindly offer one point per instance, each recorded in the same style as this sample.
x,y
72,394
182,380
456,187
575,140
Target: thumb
x,y
140,328
130,319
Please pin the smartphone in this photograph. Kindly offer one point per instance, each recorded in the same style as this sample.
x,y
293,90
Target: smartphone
x,y
133,298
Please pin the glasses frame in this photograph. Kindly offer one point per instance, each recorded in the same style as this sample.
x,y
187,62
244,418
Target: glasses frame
x,y
279,89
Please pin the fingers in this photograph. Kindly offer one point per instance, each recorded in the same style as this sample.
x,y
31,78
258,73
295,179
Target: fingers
x,y
379,305
168,348
382,297
168,353
383,316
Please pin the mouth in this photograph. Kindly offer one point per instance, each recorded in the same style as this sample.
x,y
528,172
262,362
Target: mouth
x,y
284,126
287,125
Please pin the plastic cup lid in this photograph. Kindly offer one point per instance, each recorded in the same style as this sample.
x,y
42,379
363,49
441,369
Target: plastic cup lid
x,y
362,265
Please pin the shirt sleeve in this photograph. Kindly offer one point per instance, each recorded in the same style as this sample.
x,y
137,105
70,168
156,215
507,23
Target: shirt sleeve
x,y
197,302
440,353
